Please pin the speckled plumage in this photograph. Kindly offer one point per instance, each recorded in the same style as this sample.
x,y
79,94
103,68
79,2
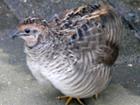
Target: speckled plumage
x,y
76,49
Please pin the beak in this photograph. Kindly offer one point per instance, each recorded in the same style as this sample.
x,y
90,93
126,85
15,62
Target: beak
x,y
18,34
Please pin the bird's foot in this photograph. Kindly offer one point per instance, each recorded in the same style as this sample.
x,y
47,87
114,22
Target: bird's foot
x,y
69,99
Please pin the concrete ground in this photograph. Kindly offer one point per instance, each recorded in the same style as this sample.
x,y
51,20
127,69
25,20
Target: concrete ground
x,y
18,87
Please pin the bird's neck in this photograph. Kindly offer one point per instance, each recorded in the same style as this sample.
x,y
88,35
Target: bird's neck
x,y
47,48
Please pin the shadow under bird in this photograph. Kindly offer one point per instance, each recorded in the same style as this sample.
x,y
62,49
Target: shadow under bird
x,y
75,50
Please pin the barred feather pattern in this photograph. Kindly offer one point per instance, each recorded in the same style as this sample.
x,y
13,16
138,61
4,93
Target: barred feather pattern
x,y
73,78
77,55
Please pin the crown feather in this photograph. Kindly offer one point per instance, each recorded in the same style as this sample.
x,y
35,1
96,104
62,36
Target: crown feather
x,y
34,20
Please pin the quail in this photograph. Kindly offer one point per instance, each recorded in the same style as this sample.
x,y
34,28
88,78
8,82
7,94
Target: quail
x,y
74,50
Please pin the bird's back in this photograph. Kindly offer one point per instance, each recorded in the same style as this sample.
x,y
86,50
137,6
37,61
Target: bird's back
x,y
94,28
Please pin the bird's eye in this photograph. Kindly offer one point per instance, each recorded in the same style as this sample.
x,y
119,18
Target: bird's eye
x,y
27,30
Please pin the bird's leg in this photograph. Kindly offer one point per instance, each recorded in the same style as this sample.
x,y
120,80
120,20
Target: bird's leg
x,y
69,99
80,102
96,96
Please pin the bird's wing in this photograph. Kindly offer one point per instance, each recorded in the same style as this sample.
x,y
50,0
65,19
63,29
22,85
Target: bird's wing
x,y
90,28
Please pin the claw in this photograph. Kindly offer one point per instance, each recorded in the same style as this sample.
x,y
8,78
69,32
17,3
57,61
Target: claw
x,y
69,99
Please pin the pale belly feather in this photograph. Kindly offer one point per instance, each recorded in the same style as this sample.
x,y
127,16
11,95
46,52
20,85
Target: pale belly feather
x,y
68,81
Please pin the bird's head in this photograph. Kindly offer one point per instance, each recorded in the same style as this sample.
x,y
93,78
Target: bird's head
x,y
30,30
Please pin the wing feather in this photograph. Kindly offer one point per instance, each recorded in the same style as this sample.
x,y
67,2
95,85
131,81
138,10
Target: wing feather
x,y
94,28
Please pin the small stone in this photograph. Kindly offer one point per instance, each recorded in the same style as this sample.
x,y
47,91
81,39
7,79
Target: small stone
x,y
9,83
130,65
33,12
24,1
7,15
56,1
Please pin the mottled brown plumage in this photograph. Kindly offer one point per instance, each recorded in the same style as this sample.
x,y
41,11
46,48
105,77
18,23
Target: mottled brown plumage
x,y
74,50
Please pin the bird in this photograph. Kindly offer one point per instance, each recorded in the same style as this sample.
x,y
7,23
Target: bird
x,y
75,50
